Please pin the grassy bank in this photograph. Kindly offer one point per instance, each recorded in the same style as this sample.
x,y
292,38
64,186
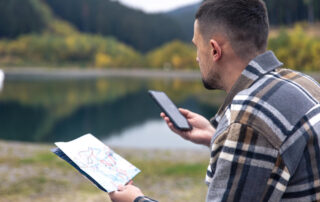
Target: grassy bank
x,y
30,172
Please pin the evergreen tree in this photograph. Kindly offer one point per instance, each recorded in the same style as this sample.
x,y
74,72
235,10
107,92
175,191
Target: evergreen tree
x,y
20,17
142,31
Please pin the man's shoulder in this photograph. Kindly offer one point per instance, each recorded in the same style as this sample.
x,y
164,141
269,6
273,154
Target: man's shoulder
x,y
284,91
275,103
283,79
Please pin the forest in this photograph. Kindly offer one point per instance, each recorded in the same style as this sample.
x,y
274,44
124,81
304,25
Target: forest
x,y
106,34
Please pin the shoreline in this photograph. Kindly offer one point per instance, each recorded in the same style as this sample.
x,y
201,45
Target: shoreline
x,y
77,73
40,73
183,154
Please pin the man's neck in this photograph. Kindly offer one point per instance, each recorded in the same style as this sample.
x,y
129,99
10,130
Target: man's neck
x,y
233,70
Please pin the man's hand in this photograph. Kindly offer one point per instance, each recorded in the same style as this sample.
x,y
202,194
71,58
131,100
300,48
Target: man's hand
x,y
126,193
202,131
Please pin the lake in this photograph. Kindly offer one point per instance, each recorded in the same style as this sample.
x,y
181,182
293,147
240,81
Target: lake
x,y
117,110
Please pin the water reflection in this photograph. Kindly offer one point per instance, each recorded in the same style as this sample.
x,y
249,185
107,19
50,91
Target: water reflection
x,y
48,111
153,134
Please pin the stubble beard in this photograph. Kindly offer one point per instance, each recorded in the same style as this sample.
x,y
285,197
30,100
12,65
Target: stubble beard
x,y
213,83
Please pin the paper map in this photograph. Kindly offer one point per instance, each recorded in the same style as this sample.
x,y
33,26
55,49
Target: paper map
x,y
95,159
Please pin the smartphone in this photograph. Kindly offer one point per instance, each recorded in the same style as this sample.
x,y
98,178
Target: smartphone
x,y
170,109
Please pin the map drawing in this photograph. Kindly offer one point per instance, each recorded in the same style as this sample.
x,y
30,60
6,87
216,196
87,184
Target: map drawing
x,y
102,164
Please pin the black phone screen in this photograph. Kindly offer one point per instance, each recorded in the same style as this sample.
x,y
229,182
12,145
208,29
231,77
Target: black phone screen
x,y
170,109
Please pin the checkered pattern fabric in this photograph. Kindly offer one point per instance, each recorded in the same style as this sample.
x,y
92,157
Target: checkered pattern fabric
x,y
266,145
143,199
267,141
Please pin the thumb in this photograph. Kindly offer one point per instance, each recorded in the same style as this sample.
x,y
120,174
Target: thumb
x,y
121,188
186,113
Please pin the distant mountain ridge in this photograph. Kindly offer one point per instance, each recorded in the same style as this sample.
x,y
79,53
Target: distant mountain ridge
x,y
143,32
190,9
185,16
280,12
136,28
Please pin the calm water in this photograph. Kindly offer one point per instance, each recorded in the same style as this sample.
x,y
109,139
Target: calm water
x,y
117,111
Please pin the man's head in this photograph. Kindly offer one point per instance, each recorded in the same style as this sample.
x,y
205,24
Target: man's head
x,y
243,24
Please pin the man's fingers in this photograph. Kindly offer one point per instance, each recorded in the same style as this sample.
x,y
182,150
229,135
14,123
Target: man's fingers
x,y
174,129
121,188
185,112
162,114
125,193
167,119
112,195
170,124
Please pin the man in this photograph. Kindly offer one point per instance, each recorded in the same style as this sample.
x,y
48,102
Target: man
x,y
265,139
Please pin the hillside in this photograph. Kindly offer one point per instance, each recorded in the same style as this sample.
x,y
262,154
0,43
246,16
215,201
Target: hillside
x,y
135,28
185,18
143,32
21,17
280,12
106,34
104,17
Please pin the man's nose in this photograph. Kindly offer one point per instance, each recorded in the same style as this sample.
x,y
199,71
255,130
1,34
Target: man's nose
x,y
197,59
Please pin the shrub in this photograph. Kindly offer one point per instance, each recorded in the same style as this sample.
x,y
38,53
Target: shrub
x,y
176,55
296,49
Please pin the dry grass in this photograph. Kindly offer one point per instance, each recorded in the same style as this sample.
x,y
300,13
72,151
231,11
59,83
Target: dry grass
x,y
29,172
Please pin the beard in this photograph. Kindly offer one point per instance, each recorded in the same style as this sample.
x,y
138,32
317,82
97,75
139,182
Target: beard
x,y
207,85
213,83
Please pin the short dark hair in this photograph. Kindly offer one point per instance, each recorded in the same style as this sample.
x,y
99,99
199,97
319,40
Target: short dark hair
x,y
245,22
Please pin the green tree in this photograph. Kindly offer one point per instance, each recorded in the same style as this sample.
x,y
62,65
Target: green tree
x,y
75,49
310,4
20,17
297,49
176,55
135,28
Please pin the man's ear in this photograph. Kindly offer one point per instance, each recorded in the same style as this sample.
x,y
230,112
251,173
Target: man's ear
x,y
216,50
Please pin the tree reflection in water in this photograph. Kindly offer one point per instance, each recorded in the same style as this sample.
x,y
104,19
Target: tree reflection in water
x,y
61,110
